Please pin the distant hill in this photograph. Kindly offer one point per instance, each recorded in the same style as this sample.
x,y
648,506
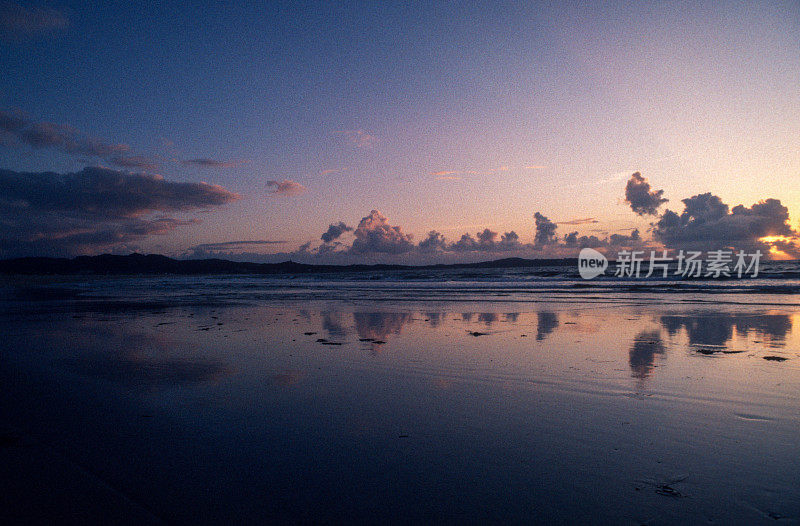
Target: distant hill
x,y
157,264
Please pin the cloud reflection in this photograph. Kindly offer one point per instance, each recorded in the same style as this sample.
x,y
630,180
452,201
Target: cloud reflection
x,y
546,322
641,358
379,325
718,329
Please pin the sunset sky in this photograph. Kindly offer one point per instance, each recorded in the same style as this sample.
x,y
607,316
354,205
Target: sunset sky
x,y
447,117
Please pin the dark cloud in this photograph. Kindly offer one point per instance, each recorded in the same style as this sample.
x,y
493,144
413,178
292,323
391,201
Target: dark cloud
x,y
205,162
46,213
487,241
327,248
19,21
641,198
433,243
230,249
15,126
621,240
614,240
545,231
374,234
582,221
707,223
286,188
573,240
238,244
335,231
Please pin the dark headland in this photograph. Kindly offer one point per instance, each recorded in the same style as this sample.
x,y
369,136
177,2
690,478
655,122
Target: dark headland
x,y
158,264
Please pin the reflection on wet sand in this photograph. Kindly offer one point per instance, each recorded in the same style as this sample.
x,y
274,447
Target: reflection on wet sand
x,y
332,323
379,325
435,318
646,345
551,419
546,322
717,329
487,317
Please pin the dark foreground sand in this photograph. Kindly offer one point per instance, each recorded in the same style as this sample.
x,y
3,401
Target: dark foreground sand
x,y
549,410
40,486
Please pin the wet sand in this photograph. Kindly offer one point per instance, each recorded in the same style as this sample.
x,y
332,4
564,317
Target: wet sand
x,y
204,409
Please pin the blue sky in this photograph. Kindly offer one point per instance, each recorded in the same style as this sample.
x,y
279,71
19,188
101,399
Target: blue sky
x,y
442,116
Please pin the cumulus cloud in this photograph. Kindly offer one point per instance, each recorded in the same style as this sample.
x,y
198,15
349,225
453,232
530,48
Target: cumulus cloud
x,y
377,240
205,162
15,126
545,230
45,213
707,223
641,198
18,21
573,240
335,230
487,241
434,242
286,188
374,234
359,138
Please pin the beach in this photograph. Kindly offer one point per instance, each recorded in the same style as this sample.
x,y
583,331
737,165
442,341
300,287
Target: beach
x,y
243,399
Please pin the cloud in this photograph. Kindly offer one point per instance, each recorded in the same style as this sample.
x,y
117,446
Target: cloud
x,y
582,221
286,188
641,198
435,242
335,231
46,213
535,167
228,249
15,126
18,21
205,162
239,244
707,223
443,173
378,241
359,138
573,240
448,178
545,231
374,234
487,241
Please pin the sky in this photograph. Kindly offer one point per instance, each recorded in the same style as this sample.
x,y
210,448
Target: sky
x,y
249,131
